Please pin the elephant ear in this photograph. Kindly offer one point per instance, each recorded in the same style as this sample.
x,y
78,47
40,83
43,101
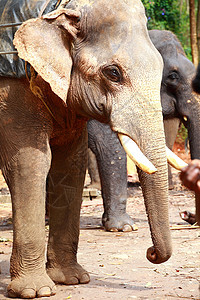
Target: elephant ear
x,y
46,44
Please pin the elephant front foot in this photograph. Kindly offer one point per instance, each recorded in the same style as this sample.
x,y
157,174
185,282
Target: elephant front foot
x,y
31,286
116,223
71,274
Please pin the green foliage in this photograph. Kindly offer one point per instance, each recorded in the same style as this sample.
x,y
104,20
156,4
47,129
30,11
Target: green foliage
x,y
182,134
170,15
163,14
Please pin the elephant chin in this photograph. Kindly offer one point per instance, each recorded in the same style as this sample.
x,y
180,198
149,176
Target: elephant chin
x,y
134,152
154,257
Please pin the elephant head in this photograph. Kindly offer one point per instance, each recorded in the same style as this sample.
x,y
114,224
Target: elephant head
x,y
178,98
98,58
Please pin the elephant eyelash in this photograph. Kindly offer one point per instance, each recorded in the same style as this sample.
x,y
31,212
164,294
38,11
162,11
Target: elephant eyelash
x,y
113,73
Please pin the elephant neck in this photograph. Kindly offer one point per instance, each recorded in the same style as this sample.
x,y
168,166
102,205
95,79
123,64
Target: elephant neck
x,y
64,119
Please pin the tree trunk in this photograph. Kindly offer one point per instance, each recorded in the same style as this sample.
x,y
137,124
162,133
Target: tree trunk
x,y
198,28
193,33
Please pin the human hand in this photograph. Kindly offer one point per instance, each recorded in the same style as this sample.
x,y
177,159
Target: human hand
x,y
190,176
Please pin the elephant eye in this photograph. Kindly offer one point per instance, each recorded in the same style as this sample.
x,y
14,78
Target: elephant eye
x,y
112,73
173,76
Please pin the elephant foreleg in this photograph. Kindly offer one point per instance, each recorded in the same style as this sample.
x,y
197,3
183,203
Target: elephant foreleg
x,y
111,160
65,186
26,178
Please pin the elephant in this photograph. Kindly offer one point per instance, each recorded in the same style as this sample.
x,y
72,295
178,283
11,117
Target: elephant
x,y
196,88
196,81
86,62
179,104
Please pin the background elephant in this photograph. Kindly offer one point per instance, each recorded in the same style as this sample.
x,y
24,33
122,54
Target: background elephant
x,y
196,88
90,63
179,104
196,81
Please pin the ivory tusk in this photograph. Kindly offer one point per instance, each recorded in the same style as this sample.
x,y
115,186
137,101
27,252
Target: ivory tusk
x,y
174,160
136,154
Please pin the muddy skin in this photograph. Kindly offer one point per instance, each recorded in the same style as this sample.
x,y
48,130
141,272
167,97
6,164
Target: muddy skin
x,y
83,71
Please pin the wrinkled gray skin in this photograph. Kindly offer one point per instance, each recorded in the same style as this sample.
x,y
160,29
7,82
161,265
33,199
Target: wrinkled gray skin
x,y
178,103
92,63
196,88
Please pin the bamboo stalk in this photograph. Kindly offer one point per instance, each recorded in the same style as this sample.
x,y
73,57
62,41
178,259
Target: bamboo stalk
x,y
10,25
8,52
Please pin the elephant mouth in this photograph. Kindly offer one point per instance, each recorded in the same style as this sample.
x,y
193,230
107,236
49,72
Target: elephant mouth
x,y
140,160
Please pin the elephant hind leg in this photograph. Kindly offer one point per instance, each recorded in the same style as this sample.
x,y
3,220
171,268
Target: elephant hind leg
x,y
65,187
93,170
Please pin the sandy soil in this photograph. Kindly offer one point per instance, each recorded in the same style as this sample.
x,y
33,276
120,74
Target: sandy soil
x,y
116,262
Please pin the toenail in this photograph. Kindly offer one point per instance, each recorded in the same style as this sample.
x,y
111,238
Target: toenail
x,y
127,228
44,291
73,280
28,293
113,229
53,290
11,294
85,278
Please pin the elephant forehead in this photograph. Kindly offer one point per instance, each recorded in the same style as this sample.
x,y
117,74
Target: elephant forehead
x,y
135,6
107,31
111,17
179,63
186,66
86,2
125,7
122,17
109,41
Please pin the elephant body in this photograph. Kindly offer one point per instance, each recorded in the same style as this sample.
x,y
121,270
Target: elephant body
x,y
87,62
179,104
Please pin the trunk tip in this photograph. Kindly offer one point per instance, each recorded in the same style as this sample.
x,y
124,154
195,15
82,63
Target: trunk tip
x,y
155,257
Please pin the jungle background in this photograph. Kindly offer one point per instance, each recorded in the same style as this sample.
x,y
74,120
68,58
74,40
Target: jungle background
x,y
182,17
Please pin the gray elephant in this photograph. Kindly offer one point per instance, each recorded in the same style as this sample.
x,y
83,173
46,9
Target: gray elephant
x,y
196,81
179,104
196,88
86,62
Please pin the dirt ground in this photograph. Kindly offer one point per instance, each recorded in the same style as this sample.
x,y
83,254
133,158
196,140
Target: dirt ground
x,y
117,261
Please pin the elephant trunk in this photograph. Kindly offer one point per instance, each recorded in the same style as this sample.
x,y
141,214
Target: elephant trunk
x,y
192,122
155,192
193,125
149,136
194,143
